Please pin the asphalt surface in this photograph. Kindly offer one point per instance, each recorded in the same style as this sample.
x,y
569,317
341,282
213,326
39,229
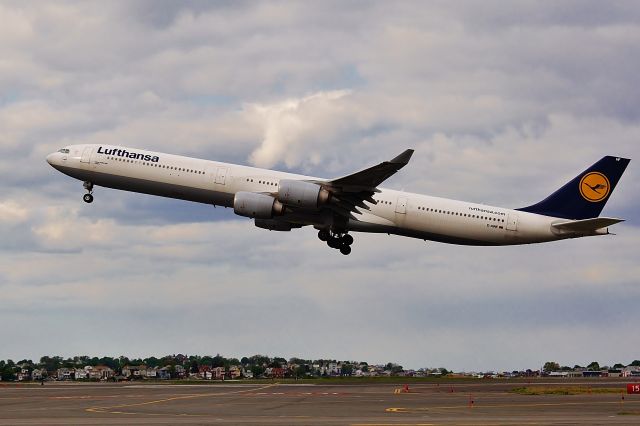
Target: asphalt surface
x,y
479,403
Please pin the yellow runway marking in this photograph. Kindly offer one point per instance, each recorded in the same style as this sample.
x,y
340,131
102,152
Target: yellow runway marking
x,y
111,409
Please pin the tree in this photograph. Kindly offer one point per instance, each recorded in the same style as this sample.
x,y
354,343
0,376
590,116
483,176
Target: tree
x,y
635,363
218,361
257,370
618,366
7,374
152,361
347,369
550,366
397,369
594,366
300,371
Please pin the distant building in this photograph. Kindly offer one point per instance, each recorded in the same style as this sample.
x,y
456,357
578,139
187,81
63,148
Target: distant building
x,y
38,374
100,372
151,373
218,373
132,372
80,374
65,374
614,373
181,372
234,372
163,373
23,375
204,372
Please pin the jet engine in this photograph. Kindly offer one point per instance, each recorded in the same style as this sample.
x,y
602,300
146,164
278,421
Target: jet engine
x,y
302,194
258,206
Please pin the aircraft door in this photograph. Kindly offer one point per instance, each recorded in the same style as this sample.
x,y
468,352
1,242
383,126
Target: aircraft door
x,y
86,155
512,222
221,175
401,207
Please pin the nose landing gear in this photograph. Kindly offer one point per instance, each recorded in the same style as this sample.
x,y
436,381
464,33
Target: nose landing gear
x,y
88,198
338,241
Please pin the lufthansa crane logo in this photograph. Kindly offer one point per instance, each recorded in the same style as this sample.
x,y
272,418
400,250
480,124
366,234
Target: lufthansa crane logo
x,y
594,187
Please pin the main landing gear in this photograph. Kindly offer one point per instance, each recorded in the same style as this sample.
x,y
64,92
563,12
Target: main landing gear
x,y
88,198
337,241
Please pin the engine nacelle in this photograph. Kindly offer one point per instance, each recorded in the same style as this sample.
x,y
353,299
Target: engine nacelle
x,y
302,194
260,206
273,225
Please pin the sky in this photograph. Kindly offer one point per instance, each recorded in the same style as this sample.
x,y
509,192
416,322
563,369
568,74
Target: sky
x,y
503,103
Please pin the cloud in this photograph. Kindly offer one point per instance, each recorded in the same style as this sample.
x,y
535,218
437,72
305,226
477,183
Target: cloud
x,y
295,128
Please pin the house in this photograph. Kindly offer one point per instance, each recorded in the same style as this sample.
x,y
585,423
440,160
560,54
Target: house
x,y
150,373
218,373
23,375
100,372
181,372
275,372
81,374
38,374
234,372
133,372
65,374
204,372
163,373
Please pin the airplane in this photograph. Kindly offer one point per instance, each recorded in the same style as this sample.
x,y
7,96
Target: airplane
x,y
280,201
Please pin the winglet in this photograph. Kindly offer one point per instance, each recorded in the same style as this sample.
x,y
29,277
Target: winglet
x,y
403,158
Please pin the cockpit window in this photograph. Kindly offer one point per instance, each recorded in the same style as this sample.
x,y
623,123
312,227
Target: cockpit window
x,y
64,150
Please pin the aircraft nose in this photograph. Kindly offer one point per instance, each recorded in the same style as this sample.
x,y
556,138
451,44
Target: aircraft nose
x,y
51,158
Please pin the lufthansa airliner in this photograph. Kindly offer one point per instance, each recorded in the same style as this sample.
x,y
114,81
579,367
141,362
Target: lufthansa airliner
x,y
281,201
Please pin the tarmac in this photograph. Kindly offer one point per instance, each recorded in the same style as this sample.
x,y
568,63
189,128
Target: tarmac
x,y
485,402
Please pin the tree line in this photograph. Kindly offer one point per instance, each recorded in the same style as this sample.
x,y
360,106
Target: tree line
x,y
257,364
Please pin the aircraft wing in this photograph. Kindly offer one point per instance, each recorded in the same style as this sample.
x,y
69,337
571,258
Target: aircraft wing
x,y
350,192
586,225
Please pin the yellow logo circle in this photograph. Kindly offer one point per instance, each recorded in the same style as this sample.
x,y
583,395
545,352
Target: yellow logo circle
x,y
594,187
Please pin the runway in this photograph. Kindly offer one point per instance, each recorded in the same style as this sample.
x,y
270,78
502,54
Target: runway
x,y
442,403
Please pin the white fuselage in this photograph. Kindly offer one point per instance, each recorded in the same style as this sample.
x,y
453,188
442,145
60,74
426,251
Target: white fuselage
x,y
211,182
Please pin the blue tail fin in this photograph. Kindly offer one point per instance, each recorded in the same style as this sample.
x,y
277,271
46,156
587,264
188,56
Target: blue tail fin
x,y
585,196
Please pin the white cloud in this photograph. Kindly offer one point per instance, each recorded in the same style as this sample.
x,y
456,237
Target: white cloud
x,y
294,129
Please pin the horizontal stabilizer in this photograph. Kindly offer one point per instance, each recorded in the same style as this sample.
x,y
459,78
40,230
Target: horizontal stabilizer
x,y
586,225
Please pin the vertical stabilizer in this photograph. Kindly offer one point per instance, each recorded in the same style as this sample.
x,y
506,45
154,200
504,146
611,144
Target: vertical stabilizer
x,y
583,197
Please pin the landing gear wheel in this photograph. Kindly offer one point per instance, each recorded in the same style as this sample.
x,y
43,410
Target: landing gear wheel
x,y
323,235
347,239
345,249
88,198
333,243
